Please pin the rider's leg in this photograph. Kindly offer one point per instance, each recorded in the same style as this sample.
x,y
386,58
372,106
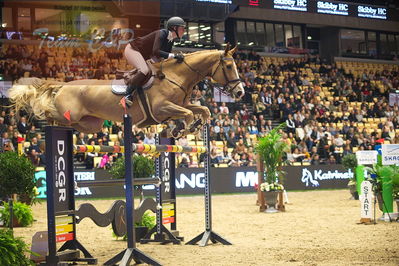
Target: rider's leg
x,y
135,59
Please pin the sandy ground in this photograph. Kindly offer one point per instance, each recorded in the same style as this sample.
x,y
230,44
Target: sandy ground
x,y
318,228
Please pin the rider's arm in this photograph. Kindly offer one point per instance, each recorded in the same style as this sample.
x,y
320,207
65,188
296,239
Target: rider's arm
x,y
161,38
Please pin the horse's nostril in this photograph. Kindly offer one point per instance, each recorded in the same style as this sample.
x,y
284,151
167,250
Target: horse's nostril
x,y
239,93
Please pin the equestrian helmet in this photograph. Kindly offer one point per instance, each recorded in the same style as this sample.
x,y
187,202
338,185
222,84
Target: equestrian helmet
x,y
175,21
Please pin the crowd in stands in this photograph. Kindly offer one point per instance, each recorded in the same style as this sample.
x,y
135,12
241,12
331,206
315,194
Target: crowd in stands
x,y
330,109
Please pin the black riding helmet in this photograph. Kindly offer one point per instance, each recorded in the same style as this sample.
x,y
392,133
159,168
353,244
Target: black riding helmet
x,y
175,22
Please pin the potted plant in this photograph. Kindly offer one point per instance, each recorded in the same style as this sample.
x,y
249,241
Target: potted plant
x,y
142,227
22,215
272,150
349,162
12,250
17,176
376,174
143,167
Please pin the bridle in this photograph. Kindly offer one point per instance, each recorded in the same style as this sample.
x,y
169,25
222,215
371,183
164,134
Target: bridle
x,y
226,87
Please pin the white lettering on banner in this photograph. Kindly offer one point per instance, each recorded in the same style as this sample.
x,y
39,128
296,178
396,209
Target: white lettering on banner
x,y
390,154
84,176
246,179
296,5
311,179
166,173
366,200
60,179
332,8
195,181
371,12
83,191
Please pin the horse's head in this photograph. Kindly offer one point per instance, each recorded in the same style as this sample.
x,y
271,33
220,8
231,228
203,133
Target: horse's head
x,y
226,74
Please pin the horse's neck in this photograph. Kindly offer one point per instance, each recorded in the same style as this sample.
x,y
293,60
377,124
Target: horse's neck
x,y
201,65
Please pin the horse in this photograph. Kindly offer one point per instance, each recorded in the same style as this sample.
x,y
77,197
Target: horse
x,y
85,104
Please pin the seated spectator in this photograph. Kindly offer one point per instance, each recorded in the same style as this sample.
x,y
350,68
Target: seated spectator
x,y
315,160
240,148
149,138
184,162
23,126
34,157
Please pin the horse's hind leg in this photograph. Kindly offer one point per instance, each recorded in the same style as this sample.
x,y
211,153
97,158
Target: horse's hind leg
x,y
88,124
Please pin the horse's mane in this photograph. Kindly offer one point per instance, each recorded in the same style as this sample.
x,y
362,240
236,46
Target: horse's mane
x,y
187,55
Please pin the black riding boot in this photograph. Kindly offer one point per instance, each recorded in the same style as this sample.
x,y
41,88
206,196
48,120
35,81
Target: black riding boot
x,y
133,84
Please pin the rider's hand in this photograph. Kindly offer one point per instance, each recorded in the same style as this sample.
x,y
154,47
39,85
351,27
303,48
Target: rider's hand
x,y
179,57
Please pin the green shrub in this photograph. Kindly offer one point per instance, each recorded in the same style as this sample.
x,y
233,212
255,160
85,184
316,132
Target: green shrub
x,y
12,250
22,212
143,167
17,175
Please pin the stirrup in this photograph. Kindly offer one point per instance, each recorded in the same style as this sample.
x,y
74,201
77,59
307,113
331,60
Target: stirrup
x,y
128,100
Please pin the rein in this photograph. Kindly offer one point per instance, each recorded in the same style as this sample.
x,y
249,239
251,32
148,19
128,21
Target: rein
x,y
226,87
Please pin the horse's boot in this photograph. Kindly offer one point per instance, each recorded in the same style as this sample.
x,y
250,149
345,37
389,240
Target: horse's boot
x,y
137,81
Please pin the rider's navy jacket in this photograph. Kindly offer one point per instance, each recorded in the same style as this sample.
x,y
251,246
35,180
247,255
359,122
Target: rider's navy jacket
x,y
155,44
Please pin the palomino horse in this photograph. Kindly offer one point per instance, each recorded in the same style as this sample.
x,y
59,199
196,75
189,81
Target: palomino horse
x,y
85,104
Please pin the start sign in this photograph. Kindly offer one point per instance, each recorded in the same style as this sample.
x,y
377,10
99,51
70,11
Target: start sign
x,y
366,202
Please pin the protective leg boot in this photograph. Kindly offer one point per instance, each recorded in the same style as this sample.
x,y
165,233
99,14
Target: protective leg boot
x,y
134,83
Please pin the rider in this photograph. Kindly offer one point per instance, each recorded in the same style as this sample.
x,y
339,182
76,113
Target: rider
x,y
155,45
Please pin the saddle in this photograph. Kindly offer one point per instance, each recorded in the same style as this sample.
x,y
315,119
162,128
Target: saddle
x,y
120,87
123,78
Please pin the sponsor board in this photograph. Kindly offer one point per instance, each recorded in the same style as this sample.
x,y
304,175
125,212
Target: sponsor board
x,y
371,12
390,154
223,180
293,5
366,157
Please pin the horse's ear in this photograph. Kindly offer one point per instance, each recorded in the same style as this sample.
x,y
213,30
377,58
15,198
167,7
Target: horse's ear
x,y
232,51
227,48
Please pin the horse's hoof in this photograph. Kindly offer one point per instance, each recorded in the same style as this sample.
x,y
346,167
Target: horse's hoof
x,y
176,133
196,126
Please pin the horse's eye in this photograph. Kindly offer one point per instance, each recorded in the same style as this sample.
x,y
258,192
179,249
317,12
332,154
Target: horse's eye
x,y
229,67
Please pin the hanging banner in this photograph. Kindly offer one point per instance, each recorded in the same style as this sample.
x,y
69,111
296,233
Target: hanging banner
x,y
366,157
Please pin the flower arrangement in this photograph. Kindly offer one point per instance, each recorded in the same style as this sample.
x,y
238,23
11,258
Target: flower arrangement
x,y
271,187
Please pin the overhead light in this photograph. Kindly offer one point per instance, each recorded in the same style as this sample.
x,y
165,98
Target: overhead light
x,y
4,25
309,37
138,26
251,43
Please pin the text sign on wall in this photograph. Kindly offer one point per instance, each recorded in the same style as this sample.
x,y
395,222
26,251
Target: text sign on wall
x,y
366,157
294,5
332,8
366,200
371,12
390,154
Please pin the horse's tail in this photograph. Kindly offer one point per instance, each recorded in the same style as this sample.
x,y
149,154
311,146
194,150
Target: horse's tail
x,y
36,96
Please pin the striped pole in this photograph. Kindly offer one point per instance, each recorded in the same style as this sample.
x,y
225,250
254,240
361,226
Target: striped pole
x,y
139,148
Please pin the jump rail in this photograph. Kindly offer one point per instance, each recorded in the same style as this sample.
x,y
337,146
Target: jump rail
x,y
139,148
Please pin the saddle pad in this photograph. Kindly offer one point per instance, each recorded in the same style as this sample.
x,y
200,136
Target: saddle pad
x,y
118,86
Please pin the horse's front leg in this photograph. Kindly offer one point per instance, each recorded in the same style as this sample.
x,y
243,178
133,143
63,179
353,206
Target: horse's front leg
x,y
201,110
176,112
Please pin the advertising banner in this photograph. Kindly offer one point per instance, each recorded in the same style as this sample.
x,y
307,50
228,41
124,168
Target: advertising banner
x,y
223,180
390,154
366,157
